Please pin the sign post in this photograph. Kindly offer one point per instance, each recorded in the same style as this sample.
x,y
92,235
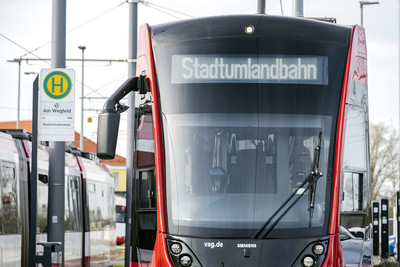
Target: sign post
x,y
57,106
375,227
56,207
384,227
34,172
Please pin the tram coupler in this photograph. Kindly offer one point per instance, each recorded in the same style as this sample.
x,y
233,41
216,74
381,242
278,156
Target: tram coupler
x,y
46,259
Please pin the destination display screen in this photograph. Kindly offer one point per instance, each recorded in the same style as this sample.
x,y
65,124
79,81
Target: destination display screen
x,y
285,69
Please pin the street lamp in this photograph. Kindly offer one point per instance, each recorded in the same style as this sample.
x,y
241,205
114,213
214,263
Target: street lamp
x,y
362,4
82,95
16,60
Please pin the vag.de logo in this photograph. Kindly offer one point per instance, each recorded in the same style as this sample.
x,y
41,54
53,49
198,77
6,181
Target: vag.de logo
x,y
57,85
212,245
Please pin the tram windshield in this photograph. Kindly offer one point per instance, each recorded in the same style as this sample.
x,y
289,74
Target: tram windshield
x,y
236,148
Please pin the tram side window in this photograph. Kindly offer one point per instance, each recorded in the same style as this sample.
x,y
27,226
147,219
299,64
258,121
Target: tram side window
x,y
355,146
42,202
95,206
100,210
72,205
353,195
147,187
146,212
355,179
9,201
111,206
92,206
101,206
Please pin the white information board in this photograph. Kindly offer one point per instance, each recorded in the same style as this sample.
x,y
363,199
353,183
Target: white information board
x,y
57,105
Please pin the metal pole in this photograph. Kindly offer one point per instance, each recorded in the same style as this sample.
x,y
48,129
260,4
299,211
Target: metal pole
x,y
132,50
19,87
398,249
261,7
82,96
399,90
398,194
56,223
33,177
19,92
298,10
362,17
362,4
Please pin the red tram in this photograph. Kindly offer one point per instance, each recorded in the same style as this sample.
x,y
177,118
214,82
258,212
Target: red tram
x,y
90,237
252,142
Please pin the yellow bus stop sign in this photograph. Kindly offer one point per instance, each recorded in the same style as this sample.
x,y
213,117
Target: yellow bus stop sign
x,y
57,85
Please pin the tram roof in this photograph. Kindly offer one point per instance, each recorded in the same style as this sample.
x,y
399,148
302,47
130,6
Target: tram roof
x,y
282,27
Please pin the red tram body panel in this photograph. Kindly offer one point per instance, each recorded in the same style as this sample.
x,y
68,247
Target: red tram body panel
x,y
90,238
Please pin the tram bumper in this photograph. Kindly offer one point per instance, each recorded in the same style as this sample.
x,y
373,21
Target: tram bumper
x,y
196,252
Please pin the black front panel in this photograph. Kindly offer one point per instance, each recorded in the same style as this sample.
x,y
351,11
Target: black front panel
x,y
241,115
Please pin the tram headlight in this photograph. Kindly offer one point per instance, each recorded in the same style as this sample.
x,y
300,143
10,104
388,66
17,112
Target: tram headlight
x,y
176,248
318,249
185,260
308,261
249,29
181,255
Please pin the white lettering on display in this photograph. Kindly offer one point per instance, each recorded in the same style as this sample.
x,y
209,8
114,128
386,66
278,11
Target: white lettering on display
x,y
249,69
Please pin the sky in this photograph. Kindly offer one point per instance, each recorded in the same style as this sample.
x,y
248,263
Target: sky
x,y
102,27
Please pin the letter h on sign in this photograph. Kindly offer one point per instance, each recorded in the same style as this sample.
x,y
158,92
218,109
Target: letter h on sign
x,y
53,85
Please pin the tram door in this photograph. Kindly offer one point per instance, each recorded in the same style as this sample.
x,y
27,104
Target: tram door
x,y
144,192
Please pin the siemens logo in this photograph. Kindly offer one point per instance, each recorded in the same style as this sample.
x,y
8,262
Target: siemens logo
x,y
247,245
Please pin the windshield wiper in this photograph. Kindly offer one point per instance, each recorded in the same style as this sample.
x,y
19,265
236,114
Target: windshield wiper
x,y
311,179
316,174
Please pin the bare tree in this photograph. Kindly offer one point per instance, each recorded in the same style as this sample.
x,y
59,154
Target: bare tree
x,y
384,158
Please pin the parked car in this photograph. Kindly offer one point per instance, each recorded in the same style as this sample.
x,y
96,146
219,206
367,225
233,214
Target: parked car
x,y
357,232
357,251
